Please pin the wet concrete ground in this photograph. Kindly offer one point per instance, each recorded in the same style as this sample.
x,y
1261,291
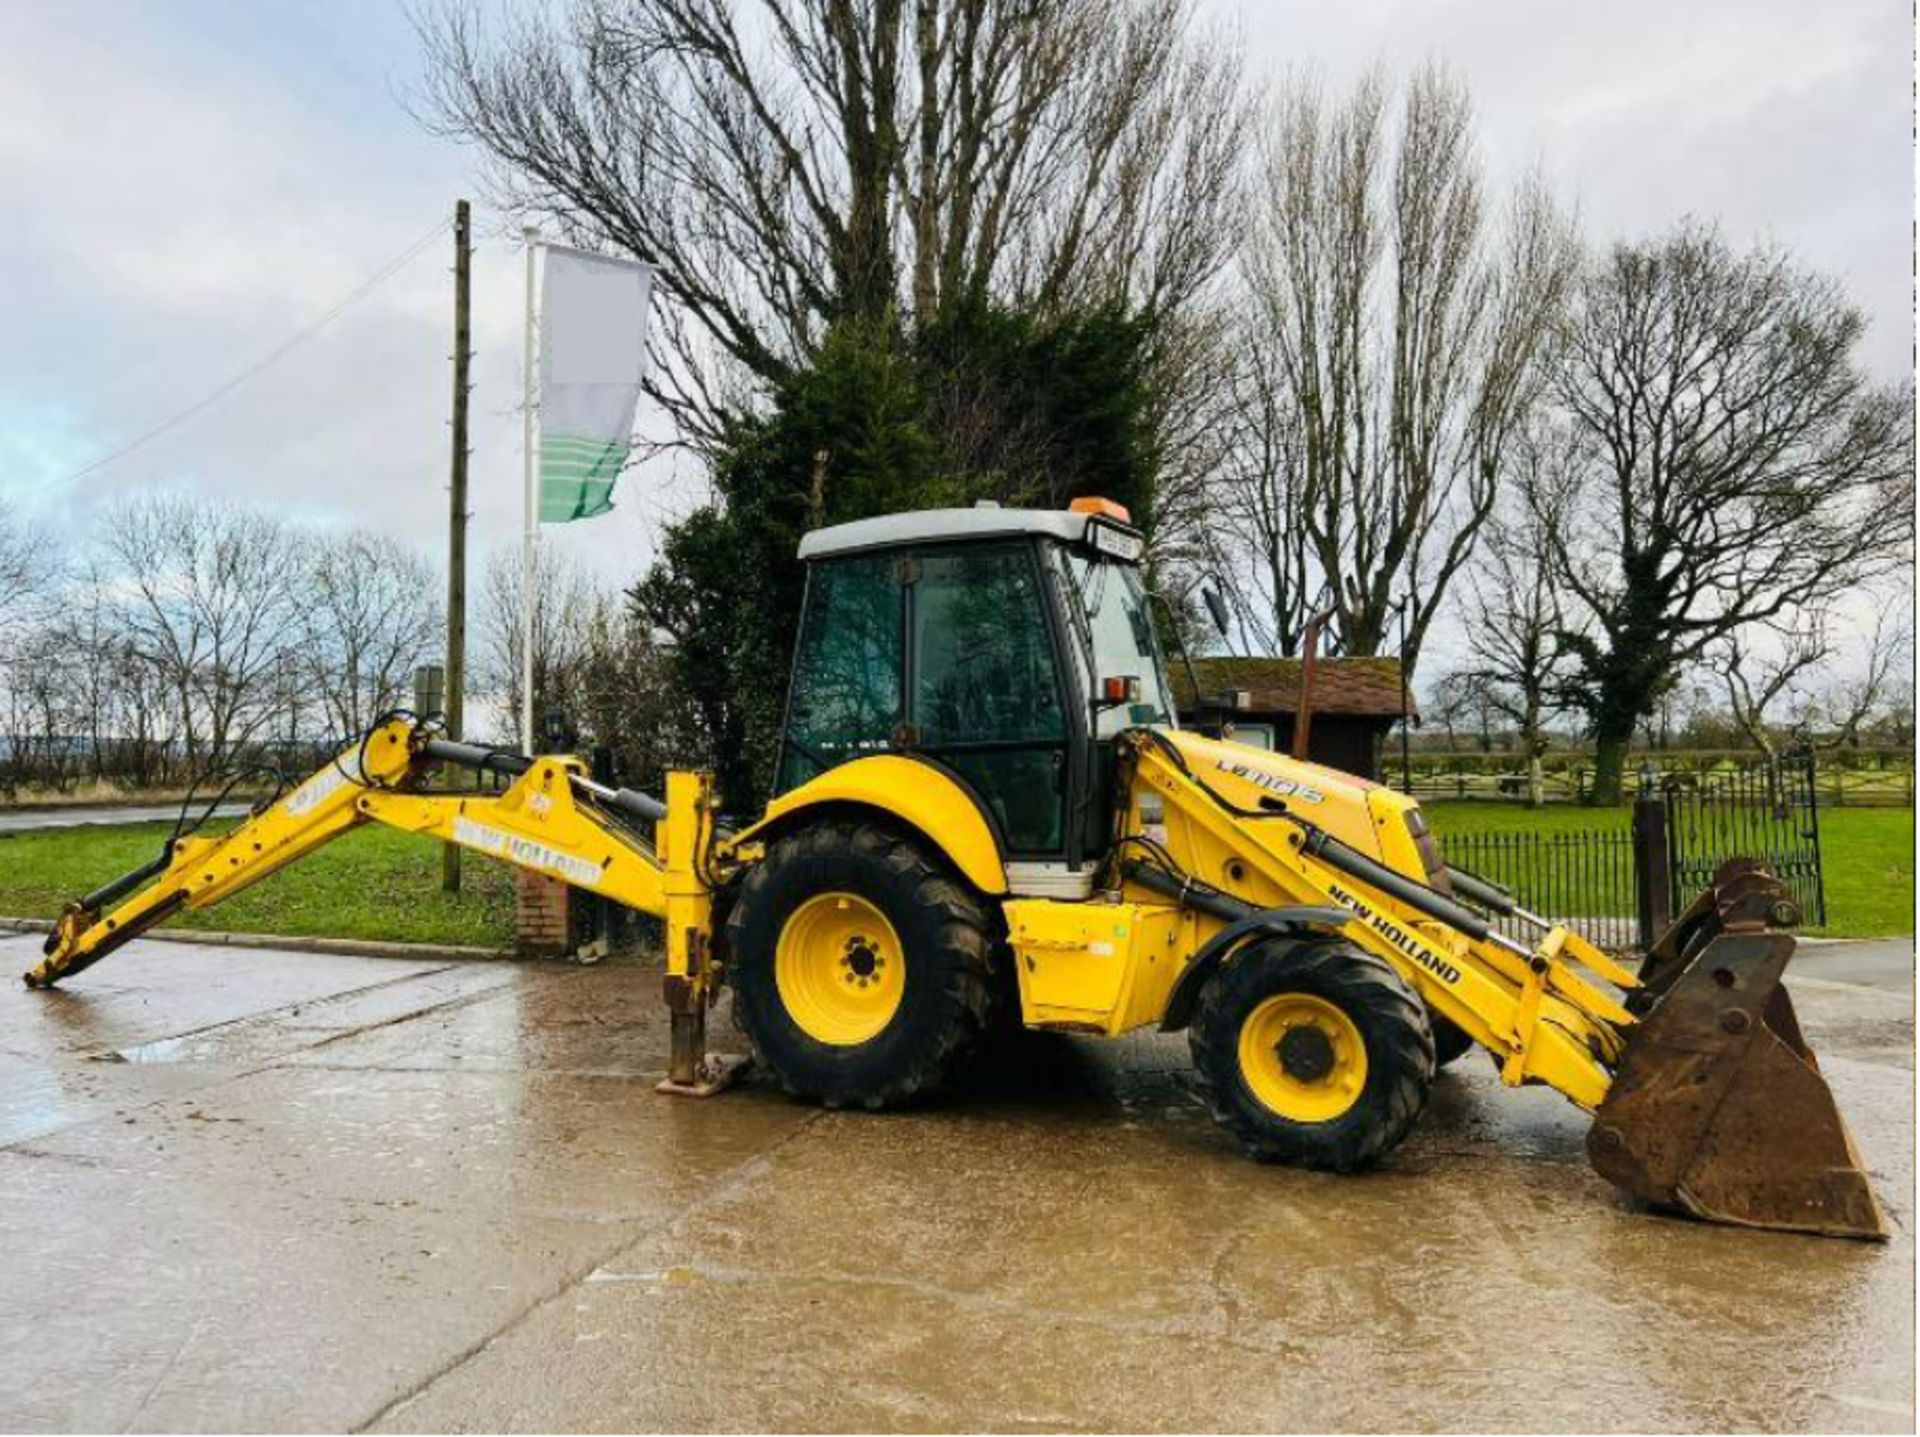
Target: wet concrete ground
x,y
275,1191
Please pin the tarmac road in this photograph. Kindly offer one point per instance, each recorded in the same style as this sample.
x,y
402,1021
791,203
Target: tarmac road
x,y
263,1190
22,820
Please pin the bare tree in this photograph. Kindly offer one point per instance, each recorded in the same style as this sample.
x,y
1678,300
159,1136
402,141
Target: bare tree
x,y
565,602
24,578
1513,626
1838,710
1735,466
1410,331
1459,698
373,615
1757,682
1829,716
1256,545
207,597
814,162
29,567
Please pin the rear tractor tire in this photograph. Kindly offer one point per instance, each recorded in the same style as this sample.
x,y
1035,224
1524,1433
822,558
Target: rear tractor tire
x,y
1314,1053
860,965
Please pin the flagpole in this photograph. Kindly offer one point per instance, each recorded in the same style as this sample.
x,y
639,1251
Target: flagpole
x,y
528,595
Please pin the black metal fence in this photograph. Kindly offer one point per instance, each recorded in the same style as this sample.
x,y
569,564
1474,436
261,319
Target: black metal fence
x,y
1584,878
1619,879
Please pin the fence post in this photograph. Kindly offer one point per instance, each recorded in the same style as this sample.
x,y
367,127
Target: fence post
x,y
1652,860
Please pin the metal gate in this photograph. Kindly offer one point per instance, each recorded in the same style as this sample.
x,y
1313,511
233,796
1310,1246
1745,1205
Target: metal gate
x,y
1763,810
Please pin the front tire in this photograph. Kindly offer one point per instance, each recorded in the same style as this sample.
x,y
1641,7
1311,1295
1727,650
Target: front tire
x,y
860,965
1314,1053
1450,1040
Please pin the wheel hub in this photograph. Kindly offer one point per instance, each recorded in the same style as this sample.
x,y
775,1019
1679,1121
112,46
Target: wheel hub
x,y
1302,1057
861,962
1306,1054
840,969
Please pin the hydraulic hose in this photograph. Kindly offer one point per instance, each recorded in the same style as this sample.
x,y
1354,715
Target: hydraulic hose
x,y
1206,900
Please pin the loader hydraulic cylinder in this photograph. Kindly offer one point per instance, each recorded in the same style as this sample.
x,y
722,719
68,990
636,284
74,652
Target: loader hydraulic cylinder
x,y
1488,895
1417,896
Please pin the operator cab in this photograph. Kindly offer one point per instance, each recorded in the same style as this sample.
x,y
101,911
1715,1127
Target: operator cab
x,y
1007,646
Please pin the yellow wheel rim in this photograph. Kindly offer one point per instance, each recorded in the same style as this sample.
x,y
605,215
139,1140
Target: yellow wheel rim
x,y
840,969
1303,1057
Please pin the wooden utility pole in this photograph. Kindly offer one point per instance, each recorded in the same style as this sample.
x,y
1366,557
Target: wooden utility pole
x,y
457,505
1309,660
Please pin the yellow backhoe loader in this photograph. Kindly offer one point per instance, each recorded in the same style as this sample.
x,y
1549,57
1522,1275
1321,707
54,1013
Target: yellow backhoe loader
x,y
984,813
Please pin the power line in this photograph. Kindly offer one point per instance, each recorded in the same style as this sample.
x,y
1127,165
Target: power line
x,y
300,337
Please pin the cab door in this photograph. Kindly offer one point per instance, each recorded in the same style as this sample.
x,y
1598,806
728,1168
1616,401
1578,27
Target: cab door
x,y
984,693
844,700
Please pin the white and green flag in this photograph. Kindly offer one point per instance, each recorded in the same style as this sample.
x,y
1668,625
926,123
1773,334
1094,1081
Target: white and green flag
x,y
593,327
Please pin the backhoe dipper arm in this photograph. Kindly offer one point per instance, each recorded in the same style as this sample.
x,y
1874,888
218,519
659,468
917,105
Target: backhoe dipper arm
x,y
199,871
552,819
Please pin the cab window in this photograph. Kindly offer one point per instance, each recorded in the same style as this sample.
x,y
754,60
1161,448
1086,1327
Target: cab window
x,y
1113,607
985,691
845,699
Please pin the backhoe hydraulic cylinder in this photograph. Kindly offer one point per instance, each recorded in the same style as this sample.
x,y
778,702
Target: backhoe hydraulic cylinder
x,y
120,887
473,755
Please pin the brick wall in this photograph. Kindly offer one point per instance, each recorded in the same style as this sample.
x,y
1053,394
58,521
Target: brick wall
x,y
545,915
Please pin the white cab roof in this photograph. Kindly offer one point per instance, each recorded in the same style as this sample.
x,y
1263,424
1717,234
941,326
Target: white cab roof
x,y
926,525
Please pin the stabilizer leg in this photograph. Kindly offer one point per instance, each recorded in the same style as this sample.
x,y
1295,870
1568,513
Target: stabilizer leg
x,y
692,1072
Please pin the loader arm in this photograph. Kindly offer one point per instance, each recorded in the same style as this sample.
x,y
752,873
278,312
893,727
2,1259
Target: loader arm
x,y
1705,1094
551,819
1531,1007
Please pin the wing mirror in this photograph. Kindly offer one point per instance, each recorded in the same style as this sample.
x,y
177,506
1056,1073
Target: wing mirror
x,y
1217,607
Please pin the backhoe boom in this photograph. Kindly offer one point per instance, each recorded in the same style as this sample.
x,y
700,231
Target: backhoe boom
x,y
551,819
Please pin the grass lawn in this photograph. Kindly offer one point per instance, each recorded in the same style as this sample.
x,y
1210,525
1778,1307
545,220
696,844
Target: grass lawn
x,y
1867,855
1867,860
373,883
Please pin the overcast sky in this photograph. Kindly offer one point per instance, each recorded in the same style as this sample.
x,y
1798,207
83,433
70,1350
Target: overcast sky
x,y
188,184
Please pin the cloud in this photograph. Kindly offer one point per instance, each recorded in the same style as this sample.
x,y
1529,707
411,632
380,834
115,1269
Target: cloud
x,y
188,186
185,185
1787,122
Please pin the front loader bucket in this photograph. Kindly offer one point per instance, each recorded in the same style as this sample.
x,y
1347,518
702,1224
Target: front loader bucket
x,y
1718,1106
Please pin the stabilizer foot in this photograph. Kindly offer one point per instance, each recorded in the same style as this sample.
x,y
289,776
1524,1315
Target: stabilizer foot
x,y
715,1074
